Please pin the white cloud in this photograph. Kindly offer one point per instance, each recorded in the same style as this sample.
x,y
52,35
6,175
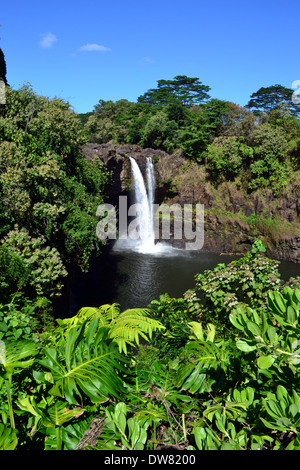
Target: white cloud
x,y
48,40
146,60
93,47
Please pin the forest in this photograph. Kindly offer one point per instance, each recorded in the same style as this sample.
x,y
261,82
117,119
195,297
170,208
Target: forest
x,y
258,143
217,369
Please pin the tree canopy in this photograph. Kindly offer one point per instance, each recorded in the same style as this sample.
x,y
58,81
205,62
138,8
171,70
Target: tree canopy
x,y
267,99
187,91
2,67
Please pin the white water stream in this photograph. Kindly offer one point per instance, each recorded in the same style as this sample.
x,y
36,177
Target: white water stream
x,y
141,234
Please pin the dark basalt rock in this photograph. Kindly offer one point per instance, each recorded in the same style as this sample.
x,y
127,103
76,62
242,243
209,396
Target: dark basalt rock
x,y
178,182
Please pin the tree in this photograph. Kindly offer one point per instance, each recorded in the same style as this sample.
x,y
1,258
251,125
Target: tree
x,y
269,147
238,121
159,132
226,156
200,127
46,185
273,97
2,67
187,91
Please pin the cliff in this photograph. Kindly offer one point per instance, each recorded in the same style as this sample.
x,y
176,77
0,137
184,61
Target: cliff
x,y
233,217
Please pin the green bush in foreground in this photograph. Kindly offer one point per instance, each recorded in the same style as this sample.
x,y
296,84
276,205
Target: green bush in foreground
x,y
89,384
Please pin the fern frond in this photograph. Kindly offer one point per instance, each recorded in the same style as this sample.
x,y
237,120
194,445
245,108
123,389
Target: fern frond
x,y
131,325
124,328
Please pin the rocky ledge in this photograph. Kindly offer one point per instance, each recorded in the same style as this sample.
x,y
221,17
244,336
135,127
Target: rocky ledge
x,y
230,214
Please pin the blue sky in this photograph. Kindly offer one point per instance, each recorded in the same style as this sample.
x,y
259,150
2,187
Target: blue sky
x,y
84,51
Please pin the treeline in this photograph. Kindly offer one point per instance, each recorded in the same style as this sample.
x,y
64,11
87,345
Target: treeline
x,y
260,141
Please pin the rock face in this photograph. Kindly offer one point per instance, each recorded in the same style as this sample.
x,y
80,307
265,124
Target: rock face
x,y
227,209
116,158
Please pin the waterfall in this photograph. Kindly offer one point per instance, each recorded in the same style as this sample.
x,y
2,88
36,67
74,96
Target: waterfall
x,y
144,200
140,233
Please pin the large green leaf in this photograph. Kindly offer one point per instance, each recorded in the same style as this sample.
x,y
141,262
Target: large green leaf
x,y
204,368
60,413
90,364
265,362
8,438
17,354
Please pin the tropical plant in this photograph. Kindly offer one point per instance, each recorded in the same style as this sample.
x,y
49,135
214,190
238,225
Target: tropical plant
x,y
89,365
273,97
129,433
273,333
245,281
174,315
8,438
125,328
14,357
226,156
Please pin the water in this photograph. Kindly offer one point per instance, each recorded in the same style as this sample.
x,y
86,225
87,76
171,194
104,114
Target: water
x,y
137,270
140,235
133,279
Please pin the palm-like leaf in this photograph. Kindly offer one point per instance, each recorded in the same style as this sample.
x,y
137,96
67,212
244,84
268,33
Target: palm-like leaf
x,y
230,410
59,413
206,362
90,364
8,438
17,354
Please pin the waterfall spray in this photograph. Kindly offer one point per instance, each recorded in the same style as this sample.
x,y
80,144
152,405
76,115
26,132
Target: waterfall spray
x,y
144,200
139,235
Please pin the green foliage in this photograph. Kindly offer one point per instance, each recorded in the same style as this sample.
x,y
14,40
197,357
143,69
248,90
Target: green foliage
x,y
219,392
244,282
202,366
14,274
226,156
43,266
182,89
90,367
130,432
23,318
125,328
47,187
174,315
283,410
272,333
160,132
8,438
269,146
271,98
201,126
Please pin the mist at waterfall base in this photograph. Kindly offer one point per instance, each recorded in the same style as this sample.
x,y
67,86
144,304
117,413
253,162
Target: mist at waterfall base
x,y
144,200
137,271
